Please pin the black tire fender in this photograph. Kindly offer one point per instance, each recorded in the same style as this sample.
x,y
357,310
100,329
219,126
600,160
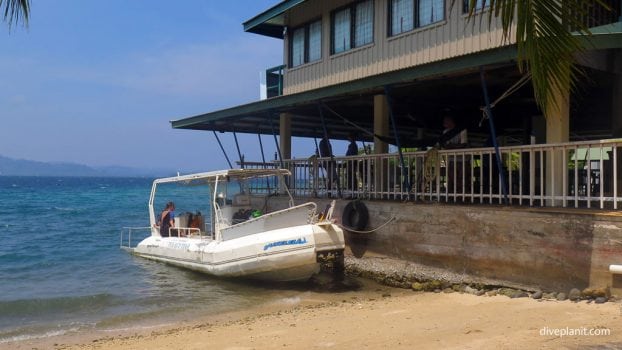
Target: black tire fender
x,y
355,216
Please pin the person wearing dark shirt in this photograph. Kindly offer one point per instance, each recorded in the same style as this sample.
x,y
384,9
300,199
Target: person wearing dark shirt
x,y
326,151
351,165
167,219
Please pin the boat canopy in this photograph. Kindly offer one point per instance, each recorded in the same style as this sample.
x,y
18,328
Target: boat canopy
x,y
236,174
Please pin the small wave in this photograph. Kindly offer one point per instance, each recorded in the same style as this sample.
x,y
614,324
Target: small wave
x,y
65,208
135,328
49,334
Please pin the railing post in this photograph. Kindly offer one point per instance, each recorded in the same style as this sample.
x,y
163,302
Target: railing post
x,y
564,178
615,174
589,176
576,177
601,177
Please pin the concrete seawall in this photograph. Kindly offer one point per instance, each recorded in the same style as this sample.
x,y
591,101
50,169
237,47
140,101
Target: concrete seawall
x,y
553,249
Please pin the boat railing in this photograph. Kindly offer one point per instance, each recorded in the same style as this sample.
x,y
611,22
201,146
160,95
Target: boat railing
x,y
126,232
583,174
186,232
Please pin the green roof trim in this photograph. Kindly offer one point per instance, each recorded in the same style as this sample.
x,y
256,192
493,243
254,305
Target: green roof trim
x,y
259,24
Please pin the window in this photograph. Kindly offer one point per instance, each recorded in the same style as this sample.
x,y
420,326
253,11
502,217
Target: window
x,y
406,15
402,12
306,44
431,11
352,26
479,5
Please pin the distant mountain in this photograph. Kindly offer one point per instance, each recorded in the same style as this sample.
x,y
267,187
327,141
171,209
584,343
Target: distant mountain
x,y
22,167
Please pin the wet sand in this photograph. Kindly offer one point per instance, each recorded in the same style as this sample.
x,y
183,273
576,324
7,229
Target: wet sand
x,y
383,318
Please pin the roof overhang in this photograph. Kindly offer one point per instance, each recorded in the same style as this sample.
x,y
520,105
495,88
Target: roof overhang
x,y
262,116
272,21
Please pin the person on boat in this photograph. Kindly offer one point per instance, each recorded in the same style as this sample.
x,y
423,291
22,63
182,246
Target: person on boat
x,y
167,219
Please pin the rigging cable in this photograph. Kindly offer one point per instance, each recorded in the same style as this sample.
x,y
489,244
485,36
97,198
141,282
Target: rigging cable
x,y
222,149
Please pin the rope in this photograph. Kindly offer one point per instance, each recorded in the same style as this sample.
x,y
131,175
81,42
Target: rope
x,y
345,120
519,84
369,231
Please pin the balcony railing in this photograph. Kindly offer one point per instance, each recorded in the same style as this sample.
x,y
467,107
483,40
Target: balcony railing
x,y
577,174
274,81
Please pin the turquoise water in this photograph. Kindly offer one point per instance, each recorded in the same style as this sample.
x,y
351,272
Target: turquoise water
x,y
61,269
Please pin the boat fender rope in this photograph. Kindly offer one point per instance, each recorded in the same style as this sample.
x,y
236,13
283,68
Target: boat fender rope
x,y
350,229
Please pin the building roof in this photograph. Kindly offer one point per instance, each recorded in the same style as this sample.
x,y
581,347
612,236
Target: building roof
x,y
271,22
352,100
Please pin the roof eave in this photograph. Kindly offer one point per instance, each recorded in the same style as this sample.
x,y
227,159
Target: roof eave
x,y
259,25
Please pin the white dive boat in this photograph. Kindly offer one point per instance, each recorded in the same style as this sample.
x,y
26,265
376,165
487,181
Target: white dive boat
x,y
283,245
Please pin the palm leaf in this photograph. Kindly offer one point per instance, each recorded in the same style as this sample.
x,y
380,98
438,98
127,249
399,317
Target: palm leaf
x,y
548,36
15,11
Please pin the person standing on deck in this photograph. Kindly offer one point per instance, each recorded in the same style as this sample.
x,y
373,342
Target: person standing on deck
x,y
326,151
351,168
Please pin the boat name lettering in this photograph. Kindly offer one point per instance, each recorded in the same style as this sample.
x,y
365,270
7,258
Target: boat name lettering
x,y
178,245
280,243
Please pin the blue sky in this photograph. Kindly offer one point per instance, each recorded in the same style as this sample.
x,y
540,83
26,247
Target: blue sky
x,y
96,82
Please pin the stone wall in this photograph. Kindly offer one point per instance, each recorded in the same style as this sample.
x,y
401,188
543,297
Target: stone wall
x,y
553,249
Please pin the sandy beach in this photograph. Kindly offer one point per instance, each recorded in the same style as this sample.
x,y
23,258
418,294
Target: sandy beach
x,y
384,318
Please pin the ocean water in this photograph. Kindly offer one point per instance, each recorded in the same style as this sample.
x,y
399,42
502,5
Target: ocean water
x,y
62,271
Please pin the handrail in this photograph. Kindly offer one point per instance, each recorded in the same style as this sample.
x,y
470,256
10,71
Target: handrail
x,y
187,229
582,174
129,229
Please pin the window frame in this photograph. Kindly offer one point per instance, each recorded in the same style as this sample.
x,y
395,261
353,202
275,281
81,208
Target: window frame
x,y
416,19
306,54
352,8
465,7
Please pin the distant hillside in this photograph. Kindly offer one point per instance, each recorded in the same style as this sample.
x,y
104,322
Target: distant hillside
x,y
22,167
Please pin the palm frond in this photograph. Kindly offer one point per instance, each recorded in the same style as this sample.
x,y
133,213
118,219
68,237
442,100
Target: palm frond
x,y
547,38
15,11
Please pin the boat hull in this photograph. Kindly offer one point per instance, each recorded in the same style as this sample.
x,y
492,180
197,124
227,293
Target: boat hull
x,y
289,254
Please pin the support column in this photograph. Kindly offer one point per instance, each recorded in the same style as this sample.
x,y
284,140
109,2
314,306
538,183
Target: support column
x,y
616,96
381,127
285,144
381,123
285,133
557,131
616,115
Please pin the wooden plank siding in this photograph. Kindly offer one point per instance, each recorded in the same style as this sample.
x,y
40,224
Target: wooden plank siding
x,y
455,36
